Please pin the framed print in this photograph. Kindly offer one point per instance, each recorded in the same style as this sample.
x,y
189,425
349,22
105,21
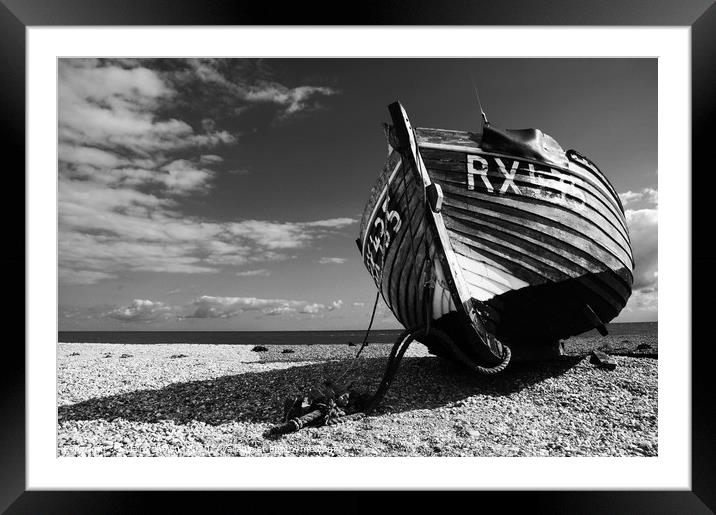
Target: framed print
x,y
197,316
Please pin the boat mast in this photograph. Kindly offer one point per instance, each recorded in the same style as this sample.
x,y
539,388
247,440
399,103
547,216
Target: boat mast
x,y
479,104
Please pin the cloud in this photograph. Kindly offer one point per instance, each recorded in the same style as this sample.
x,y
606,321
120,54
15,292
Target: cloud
x,y
279,310
642,304
105,105
331,260
358,304
127,166
286,235
210,159
182,177
176,178
316,308
140,311
332,223
208,306
84,313
649,196
313,308
203,307
643,231
94,157
293,100
261,272
232,83
123,230
82,276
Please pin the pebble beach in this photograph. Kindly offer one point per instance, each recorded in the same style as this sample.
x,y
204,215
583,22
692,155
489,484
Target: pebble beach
x,y
221,400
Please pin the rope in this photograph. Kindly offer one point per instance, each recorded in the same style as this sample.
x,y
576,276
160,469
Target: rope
x,y
401,346
465,359
327,415
456,351
365,339
396,355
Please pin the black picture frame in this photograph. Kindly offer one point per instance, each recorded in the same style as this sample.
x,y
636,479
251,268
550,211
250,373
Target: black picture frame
x,y
700,15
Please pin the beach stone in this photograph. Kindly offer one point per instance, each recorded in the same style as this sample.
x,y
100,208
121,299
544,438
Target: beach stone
x,y
137,401
602,360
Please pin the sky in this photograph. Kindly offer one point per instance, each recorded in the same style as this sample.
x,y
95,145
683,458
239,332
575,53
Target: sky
x,y
225,194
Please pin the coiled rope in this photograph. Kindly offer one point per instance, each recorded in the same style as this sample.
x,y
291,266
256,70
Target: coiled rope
x,y
329,414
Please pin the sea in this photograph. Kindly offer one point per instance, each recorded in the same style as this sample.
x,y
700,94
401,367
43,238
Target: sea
x,y
285,337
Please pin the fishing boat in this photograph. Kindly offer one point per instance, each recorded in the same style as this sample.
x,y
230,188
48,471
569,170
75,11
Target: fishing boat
x,y
494,244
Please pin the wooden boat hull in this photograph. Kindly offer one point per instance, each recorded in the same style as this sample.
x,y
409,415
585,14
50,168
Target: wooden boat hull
x,y
511,246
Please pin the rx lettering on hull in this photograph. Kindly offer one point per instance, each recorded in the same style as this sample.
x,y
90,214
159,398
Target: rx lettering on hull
x,y
503,176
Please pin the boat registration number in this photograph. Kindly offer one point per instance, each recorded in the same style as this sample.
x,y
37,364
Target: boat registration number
x,y
503,176
385,226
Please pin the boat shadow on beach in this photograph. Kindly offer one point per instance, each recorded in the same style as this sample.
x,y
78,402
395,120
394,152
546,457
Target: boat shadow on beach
x,y
258,397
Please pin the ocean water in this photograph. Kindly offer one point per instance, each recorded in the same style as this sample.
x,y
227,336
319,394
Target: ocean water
x,y
284,337
229,337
